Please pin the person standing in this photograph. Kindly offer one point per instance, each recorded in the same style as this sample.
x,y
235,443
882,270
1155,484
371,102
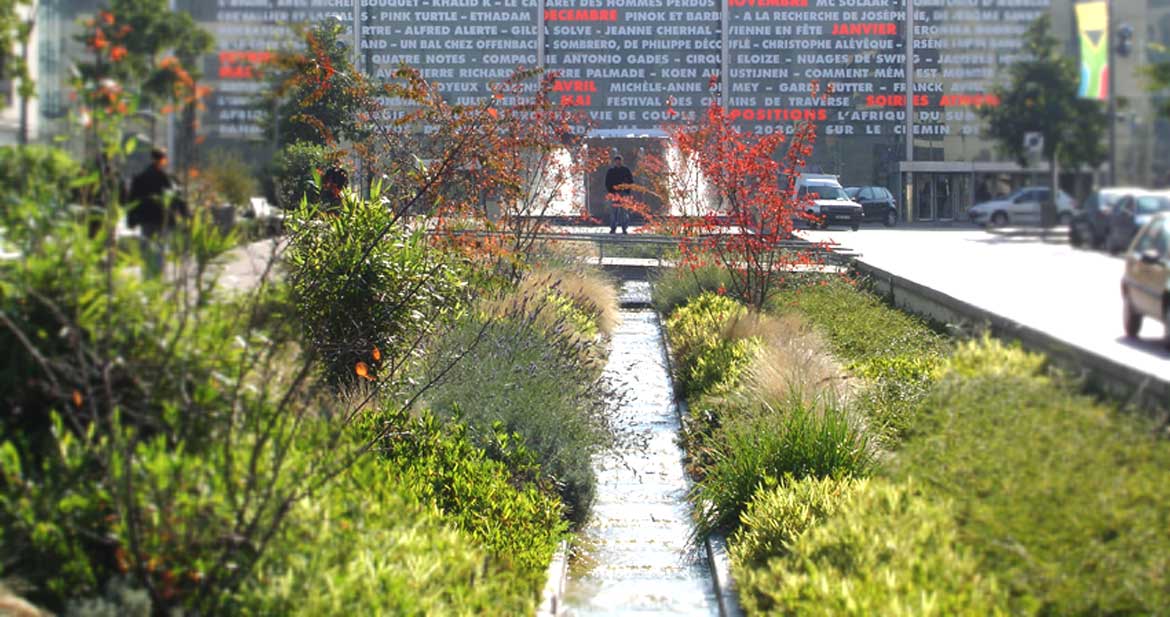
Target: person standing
x,y
150,195
617,183
333,183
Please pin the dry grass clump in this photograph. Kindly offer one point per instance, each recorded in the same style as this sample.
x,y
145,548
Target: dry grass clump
x,y
793,360
12,605
590,290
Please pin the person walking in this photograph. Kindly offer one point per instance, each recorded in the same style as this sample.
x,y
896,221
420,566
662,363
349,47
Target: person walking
x,y
617,181
151,192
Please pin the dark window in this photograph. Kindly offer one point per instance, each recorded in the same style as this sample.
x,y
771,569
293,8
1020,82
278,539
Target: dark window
x,y
1151,204
866,194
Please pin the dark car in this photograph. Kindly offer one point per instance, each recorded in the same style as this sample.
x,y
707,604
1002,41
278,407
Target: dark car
x,y
1090,223
1145,288
877,204
1129,215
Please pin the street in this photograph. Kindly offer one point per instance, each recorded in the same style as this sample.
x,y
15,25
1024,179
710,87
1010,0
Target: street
x,y
1071,294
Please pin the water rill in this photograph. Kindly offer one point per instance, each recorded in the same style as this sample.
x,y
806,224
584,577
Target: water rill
x,y
634,556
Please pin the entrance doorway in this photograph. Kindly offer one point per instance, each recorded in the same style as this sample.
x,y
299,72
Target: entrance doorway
x,y
941,196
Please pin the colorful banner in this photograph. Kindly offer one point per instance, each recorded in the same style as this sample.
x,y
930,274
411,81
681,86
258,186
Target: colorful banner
x,y
1093,28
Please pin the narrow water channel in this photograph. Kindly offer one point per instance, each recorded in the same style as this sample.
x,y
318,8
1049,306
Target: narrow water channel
x,y
633,557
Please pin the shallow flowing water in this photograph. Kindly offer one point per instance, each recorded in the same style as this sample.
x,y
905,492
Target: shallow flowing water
x,y
633,557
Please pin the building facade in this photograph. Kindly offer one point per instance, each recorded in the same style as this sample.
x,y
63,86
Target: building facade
x,y
626,61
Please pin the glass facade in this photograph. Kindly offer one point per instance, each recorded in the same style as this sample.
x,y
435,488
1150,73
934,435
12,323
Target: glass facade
x,y
625,61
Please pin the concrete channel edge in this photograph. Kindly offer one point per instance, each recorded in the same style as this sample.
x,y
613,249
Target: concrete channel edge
x,y
714,545
552,598
1114,379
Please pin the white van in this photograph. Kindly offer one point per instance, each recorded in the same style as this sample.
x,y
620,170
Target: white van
x,y
829,202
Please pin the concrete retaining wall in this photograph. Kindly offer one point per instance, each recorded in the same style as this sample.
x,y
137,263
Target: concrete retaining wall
x,y
1102,374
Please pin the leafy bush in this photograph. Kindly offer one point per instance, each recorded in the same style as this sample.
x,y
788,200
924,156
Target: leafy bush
x,y
179,412
231,177
121,599
36,173
776,517
895,387
51,524
675,287
1064,499
989,357
294,169
365,288
886,550
374,544
706,359
36,196
765,443
509,509
533,381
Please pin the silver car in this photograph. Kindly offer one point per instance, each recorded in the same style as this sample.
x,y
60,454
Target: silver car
x,y
1145,288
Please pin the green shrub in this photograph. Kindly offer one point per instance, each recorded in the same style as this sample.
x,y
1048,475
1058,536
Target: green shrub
x,y
886,550
362,283
53,519
776,440
675,287
295,168
36,173
508,510
706,359
535,382
121,599
894,388
374,542
1064,499
37,198
858,324
990,357
231,177
178,412
776,517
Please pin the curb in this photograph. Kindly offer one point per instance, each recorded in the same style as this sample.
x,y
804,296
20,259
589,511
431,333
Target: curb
x,y
1150,392
715,545
1053,235
551,604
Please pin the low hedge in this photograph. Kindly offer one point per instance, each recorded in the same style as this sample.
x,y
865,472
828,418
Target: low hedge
x,y
381,541
873,548
1064,498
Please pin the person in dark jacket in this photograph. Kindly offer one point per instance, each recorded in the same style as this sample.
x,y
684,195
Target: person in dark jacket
x,y
333,183
617,179
149,197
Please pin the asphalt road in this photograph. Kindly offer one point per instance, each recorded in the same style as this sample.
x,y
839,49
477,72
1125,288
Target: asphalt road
x,y
1069,293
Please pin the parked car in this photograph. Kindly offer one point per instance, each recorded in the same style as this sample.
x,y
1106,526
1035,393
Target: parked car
x,y
1130,214
1021,208
877,204
1145,287
830,204
1090,224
